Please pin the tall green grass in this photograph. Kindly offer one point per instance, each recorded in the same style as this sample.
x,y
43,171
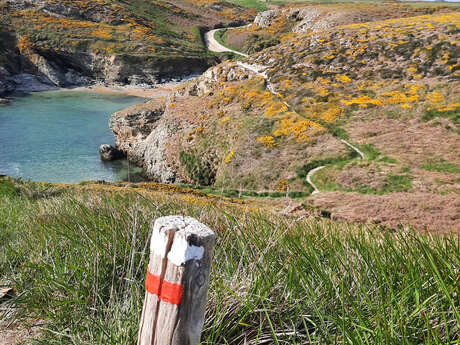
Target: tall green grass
x,y
78,262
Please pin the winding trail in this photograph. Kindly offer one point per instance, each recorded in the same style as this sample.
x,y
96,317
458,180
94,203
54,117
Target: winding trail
x,y
310,182
261,70
214,46
354,148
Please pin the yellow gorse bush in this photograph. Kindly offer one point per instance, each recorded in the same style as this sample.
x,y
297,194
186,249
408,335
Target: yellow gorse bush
x,y
229,157
268,141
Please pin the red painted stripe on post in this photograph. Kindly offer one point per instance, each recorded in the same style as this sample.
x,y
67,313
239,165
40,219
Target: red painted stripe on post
x,y
168,292
171,292
152,283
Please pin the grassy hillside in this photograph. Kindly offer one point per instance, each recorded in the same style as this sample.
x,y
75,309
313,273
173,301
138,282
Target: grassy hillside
x,y
76,257
388,87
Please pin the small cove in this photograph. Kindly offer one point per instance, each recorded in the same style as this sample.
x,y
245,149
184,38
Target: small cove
x,y
54,136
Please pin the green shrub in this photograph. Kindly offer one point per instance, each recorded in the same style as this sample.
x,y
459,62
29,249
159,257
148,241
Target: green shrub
x,y
256,43
440,166
453,115
370,152
7,188
250,193
397,183
199,170
231,193
198,36
297,194
387,159
339,160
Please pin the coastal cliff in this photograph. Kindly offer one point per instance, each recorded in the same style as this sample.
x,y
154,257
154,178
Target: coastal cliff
x,y
46,44
196,135
142,132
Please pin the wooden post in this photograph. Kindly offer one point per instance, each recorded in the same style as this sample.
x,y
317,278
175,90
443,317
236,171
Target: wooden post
x,y
177,282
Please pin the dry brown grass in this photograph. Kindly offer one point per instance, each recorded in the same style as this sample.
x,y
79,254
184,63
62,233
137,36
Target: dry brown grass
x,y
425,212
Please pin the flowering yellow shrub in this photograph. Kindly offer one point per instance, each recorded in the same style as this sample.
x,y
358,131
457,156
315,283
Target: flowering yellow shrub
x,y
225,119
363,101
449,107
302,129
282,185
343,78
268,141
275,108
229,157
331,114
435,97
406,106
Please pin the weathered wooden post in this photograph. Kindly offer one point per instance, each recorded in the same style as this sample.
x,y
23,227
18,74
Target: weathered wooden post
x,y
177,282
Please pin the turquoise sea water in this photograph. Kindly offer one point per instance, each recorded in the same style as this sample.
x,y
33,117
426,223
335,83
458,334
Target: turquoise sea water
x,y
54,136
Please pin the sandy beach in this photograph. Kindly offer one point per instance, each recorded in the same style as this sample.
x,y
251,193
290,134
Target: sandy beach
x,y
159,90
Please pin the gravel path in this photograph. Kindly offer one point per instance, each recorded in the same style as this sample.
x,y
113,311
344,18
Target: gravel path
x,y
309,175
353,147
214,46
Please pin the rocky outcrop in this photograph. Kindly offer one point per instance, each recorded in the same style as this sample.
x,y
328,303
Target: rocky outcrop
x,y
6,86
309,18
51,69
142,132
266,18
155,164
109,153
316,18
133,125
207,82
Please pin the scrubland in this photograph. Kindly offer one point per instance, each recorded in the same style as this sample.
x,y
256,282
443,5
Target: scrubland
x,y
389,87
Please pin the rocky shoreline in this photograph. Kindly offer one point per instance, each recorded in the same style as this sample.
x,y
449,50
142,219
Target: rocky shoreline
x,y
27,82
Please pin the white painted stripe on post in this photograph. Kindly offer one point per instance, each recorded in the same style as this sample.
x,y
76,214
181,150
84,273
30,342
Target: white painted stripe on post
x,y
181,252
158,242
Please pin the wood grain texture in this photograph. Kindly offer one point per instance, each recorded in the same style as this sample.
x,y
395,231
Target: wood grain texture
x,y
187,262
157,266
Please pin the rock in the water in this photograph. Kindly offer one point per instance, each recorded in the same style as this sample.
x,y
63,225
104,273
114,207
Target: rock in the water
x,y
6,86
133,125
3,101
109,153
